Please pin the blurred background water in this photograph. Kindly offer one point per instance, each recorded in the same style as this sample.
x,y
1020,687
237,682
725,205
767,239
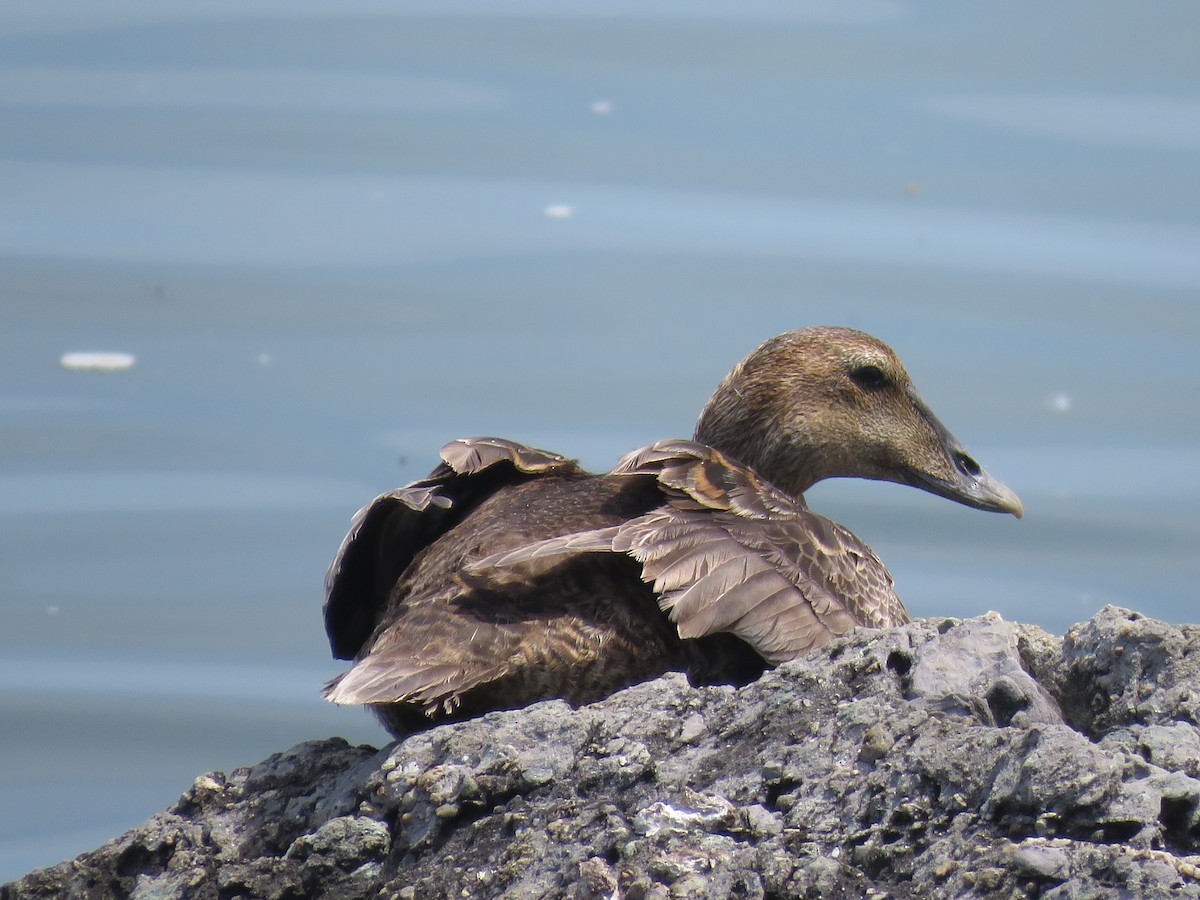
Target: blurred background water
x,y
335,235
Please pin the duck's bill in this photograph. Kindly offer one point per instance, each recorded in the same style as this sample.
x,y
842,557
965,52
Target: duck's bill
x,y
958,477
972,486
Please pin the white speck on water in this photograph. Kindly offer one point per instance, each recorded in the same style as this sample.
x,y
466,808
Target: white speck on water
x,y
1059,402
96,361
52,610
265,359
559,211
602,107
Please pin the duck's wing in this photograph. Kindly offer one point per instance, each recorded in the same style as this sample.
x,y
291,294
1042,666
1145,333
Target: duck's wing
x,y
428,664
728,552
388,532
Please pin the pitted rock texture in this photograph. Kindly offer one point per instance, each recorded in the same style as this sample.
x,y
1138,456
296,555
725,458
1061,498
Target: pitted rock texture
x,y
945,758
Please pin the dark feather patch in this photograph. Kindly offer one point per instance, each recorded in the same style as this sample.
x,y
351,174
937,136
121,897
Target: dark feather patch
x,y
386,534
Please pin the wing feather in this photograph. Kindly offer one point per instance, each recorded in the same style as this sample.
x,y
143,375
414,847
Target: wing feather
x,y
729,552
469,456
388,532
598,539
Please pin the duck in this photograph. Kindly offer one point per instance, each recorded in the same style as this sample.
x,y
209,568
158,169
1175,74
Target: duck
x,y
511,575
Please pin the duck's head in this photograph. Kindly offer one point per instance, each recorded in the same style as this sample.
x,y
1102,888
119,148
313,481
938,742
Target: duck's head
x,y
833,402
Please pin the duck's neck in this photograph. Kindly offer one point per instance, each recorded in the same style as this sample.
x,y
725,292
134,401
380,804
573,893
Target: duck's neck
x,y
781,456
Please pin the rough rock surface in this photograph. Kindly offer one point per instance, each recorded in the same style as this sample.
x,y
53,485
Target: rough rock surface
x,y
946,758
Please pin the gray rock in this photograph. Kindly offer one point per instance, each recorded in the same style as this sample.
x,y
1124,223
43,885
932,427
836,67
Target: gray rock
x,y
1175,746
944,759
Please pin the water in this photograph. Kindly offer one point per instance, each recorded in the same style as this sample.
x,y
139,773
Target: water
x,y
335,236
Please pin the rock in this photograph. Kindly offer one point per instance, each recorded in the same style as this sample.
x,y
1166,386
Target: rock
x,y
946,758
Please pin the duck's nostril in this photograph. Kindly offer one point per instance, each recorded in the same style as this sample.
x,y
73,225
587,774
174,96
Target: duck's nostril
x,y
966,465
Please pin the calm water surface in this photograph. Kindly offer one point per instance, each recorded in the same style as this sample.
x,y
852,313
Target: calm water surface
x,y
336,235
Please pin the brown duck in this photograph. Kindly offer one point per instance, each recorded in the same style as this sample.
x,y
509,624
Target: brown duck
x,y
511,575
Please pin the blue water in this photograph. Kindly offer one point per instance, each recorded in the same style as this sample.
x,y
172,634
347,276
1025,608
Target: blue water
x,y
336,235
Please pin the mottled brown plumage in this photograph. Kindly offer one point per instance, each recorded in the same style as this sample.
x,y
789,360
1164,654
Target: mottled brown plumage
x,y
510,575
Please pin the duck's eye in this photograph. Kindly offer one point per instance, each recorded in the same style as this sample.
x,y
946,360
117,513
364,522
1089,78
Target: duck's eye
x,y
869,377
